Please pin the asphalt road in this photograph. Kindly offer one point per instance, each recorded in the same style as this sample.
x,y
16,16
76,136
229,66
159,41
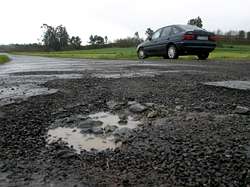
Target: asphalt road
x,y
191,133
24,75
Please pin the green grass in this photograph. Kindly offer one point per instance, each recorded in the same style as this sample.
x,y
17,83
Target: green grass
x,y
227,52
105,53
4,58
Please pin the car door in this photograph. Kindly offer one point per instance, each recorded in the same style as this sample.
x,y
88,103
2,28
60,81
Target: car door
x,y
164,40
152,47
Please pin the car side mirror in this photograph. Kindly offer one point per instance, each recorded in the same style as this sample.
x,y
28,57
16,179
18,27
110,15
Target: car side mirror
x,y
149,38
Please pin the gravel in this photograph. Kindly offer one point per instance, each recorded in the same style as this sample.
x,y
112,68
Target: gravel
x,y
196,138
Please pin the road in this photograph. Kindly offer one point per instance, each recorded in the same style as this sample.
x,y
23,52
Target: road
x,y
181,126
22,77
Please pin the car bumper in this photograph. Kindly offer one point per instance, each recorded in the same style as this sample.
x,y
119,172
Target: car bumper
x,y
194,47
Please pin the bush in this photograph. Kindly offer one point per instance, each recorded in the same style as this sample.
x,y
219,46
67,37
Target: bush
x,y
4,58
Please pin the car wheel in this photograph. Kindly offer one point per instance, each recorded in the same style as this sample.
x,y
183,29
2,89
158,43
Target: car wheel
x,y
203,56
172,52
141,54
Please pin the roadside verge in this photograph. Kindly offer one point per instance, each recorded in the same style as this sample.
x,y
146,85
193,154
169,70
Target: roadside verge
x,y
4,59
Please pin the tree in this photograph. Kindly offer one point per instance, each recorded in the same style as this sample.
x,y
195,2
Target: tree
x,y
137,35
75,42
242,35
106,39
196,21
126,42
137,38
248,35
99,40
219,32
49,37
96,40
91,40
55,38
149,32
62,36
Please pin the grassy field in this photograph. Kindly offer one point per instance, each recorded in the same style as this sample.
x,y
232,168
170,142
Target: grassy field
x,y
236,52
4,58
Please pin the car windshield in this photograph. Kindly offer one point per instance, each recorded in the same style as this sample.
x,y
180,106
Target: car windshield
x,y
190,27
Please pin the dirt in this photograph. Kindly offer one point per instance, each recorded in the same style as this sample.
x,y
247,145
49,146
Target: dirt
x,y
191,134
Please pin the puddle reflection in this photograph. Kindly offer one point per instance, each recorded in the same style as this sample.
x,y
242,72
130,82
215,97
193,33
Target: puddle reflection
x,y
80,137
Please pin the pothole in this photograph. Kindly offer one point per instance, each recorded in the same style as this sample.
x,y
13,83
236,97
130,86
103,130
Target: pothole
x,y
240,85
97,131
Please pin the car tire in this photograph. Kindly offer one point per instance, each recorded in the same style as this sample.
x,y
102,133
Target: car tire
x,y
203,56
141,54
172,52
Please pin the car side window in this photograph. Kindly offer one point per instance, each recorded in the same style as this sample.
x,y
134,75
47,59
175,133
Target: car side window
x,y
156,34
175,30
166,32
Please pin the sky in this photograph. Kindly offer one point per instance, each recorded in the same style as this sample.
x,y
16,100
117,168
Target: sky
x,y
21,20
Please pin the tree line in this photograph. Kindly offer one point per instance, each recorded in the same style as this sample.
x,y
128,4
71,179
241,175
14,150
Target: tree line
x,y
57,38
240,35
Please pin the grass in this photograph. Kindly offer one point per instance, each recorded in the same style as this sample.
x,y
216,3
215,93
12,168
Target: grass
x,y
4,58
105,53
227,52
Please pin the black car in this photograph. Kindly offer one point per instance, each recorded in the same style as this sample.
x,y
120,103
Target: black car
x,y
175,40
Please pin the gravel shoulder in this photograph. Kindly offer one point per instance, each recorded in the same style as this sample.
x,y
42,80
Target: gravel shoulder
x,y
197,135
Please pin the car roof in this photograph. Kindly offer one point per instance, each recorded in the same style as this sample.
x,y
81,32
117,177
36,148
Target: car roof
x,y
182,26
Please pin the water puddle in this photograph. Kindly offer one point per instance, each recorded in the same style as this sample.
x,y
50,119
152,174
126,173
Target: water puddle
x,y
79,141
124,75
17,87
45,76
96,131
109,119
22,92
142,73
240,85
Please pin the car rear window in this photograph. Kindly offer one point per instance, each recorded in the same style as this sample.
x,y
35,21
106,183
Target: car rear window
x,y
190,27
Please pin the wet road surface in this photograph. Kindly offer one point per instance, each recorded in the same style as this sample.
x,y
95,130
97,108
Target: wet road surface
x,y
24,76
187,123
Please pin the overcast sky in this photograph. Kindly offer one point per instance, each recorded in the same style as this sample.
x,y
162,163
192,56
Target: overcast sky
x,y
20,20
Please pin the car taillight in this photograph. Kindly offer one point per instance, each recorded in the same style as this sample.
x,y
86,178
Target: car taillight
x,y
188,37
213,38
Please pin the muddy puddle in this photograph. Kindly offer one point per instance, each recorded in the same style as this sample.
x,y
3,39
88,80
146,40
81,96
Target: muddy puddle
x,y
79,141
142,73
240,85
97,131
